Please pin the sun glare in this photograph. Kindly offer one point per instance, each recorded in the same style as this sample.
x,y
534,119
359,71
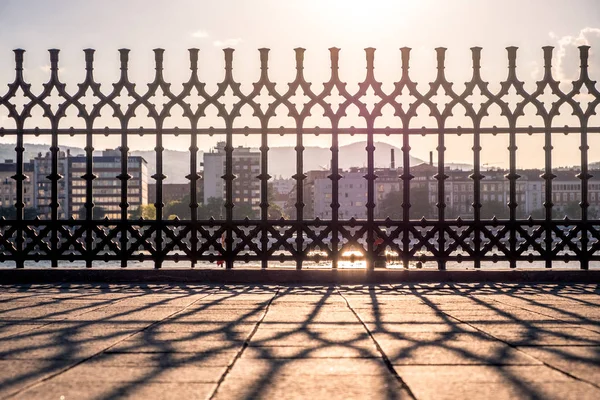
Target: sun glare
x,y
360,20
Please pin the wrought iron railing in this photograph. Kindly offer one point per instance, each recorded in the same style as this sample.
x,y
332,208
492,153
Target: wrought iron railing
x,y
264,240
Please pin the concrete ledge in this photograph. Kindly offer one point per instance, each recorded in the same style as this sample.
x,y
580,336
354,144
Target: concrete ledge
x,y
283,276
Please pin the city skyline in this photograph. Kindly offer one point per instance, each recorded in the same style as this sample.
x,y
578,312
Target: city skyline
x,y
282,192
421,155
530,26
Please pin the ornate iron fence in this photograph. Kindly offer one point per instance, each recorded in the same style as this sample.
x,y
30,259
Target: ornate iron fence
x,y
440,239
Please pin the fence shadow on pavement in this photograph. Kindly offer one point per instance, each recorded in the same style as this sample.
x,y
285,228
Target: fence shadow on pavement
x,y
109,341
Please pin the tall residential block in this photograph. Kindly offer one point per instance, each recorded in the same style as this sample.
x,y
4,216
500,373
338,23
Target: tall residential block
x,y
246,185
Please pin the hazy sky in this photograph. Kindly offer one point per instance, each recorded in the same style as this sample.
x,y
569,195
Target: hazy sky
x,y
315,25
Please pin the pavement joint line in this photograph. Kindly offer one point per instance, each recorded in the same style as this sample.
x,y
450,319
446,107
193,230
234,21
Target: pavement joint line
x,y
384,357
75,364
120,289
517,348
243,348
557,345
545,315
111,303
490,303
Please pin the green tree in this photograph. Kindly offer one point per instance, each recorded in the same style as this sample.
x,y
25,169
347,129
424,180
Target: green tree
x,y
214,207
30,213
180,208
452,212
275,211
243,210
98,212
146,211
572,210
420,205
11,213
491,209
540,213
391,205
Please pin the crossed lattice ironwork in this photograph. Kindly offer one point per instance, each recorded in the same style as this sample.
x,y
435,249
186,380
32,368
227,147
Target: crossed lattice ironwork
x,y
441,240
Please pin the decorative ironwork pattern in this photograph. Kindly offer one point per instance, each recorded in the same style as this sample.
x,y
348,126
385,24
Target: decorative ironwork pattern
x,y
441,240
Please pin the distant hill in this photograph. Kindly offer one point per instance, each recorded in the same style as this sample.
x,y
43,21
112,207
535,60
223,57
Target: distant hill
x,y
174,161
461,166
282,160
176,164
7,151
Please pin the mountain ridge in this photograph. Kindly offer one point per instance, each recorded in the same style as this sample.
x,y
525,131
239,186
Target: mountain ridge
x,y
282,160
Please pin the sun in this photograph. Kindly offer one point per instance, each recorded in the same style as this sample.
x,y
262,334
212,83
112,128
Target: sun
x,y
366,21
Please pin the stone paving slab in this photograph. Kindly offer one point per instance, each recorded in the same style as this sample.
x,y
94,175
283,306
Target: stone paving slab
x,y
195,341
582,362
53,390
497,382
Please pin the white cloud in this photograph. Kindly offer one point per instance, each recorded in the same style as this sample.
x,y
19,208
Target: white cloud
x,y
200,34
536,70
227,42
46,69
566,55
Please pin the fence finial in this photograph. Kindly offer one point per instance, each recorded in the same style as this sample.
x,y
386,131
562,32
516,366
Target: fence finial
x,y
370,58
264,58
54,59
405,59
512,60
19,59
228,58
476,56
193,58
441,57
299,57
548,60
89,59
584,52
335,56
158,58
124,57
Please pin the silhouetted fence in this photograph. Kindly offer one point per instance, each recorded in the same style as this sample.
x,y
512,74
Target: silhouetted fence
x,y
302,239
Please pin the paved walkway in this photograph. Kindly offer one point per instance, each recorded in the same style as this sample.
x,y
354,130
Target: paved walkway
x,y
424,341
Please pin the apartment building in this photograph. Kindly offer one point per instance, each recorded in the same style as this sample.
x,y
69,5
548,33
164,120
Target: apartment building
x,y
352,193
42,186
8,186
106,188
246,168
458,193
